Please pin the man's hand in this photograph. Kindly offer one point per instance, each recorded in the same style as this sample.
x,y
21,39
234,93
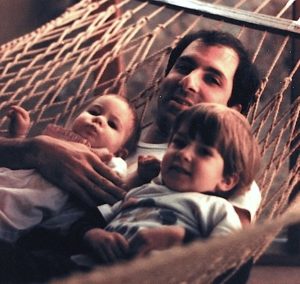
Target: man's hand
x,y
109,247
19,123
161,238
75,168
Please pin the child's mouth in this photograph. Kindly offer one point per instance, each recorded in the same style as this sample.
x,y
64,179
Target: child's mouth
x,y
179,169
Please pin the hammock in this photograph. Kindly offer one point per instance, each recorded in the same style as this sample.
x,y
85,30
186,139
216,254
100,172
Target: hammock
x,y
122,47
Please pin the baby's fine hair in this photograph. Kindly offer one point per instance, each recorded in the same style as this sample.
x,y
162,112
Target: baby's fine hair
x,y
131,143
230,133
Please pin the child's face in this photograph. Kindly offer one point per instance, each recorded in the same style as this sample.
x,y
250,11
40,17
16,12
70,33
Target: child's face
x,y
107,122
191,166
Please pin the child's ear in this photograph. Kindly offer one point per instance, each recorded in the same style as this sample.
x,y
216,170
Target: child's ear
x,y
122,153
228,182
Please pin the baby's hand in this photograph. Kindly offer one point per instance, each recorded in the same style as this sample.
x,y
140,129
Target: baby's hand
x,y
19,123
148,167
108,246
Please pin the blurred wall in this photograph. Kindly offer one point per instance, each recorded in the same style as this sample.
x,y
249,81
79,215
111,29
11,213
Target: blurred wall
x,y
19,17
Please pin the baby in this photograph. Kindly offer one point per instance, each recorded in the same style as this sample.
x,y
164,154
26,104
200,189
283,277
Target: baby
x,y
109,123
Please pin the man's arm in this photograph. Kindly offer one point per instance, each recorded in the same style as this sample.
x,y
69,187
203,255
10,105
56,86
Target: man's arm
x,y
70,166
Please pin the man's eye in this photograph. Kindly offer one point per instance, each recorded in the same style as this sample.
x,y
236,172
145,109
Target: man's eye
x,y
184,67
212,80
112,124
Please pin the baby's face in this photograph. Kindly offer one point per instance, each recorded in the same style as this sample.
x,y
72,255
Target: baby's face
x,y
191,166
106,123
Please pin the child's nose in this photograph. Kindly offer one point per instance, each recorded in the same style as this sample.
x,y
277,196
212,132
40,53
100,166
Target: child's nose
x,y
186,153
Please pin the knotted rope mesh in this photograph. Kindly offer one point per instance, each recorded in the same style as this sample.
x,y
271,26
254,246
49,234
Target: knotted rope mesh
x,y
122,47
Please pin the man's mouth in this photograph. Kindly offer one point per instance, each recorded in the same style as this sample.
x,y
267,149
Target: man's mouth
x,y
179,103
182,101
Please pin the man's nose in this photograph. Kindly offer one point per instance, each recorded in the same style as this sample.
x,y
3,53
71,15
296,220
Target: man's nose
x,y
192,81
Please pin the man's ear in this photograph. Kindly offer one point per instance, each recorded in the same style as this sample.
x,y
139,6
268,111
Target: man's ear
x,y
122,153
229,182
237,107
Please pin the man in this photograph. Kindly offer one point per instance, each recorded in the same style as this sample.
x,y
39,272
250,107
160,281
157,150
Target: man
x,y
206,66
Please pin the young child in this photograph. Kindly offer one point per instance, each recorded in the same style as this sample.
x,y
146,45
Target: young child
x,y
109,123
211,155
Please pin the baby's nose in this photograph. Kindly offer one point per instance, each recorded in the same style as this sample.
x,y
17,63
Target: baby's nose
x,y
99,119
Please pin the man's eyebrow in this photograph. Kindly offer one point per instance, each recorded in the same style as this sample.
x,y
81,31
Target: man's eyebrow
x,y
186,58
190,60
216,71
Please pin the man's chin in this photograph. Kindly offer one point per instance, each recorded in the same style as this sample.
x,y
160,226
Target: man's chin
x,y
176,107
165,123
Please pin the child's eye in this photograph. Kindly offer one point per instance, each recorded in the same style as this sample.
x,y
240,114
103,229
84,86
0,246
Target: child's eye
x,y
178,143
112,124
203,151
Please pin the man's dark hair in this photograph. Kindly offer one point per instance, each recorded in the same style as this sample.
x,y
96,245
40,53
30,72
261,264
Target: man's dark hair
x,y
246,79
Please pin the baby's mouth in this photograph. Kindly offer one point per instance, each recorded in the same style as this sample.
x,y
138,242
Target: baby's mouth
x,y
90,130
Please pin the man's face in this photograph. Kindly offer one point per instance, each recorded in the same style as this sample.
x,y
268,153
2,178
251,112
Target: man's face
x,y
201,74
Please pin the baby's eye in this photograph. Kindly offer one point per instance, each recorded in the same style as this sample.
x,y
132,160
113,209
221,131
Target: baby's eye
x,y
93,112
113,124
